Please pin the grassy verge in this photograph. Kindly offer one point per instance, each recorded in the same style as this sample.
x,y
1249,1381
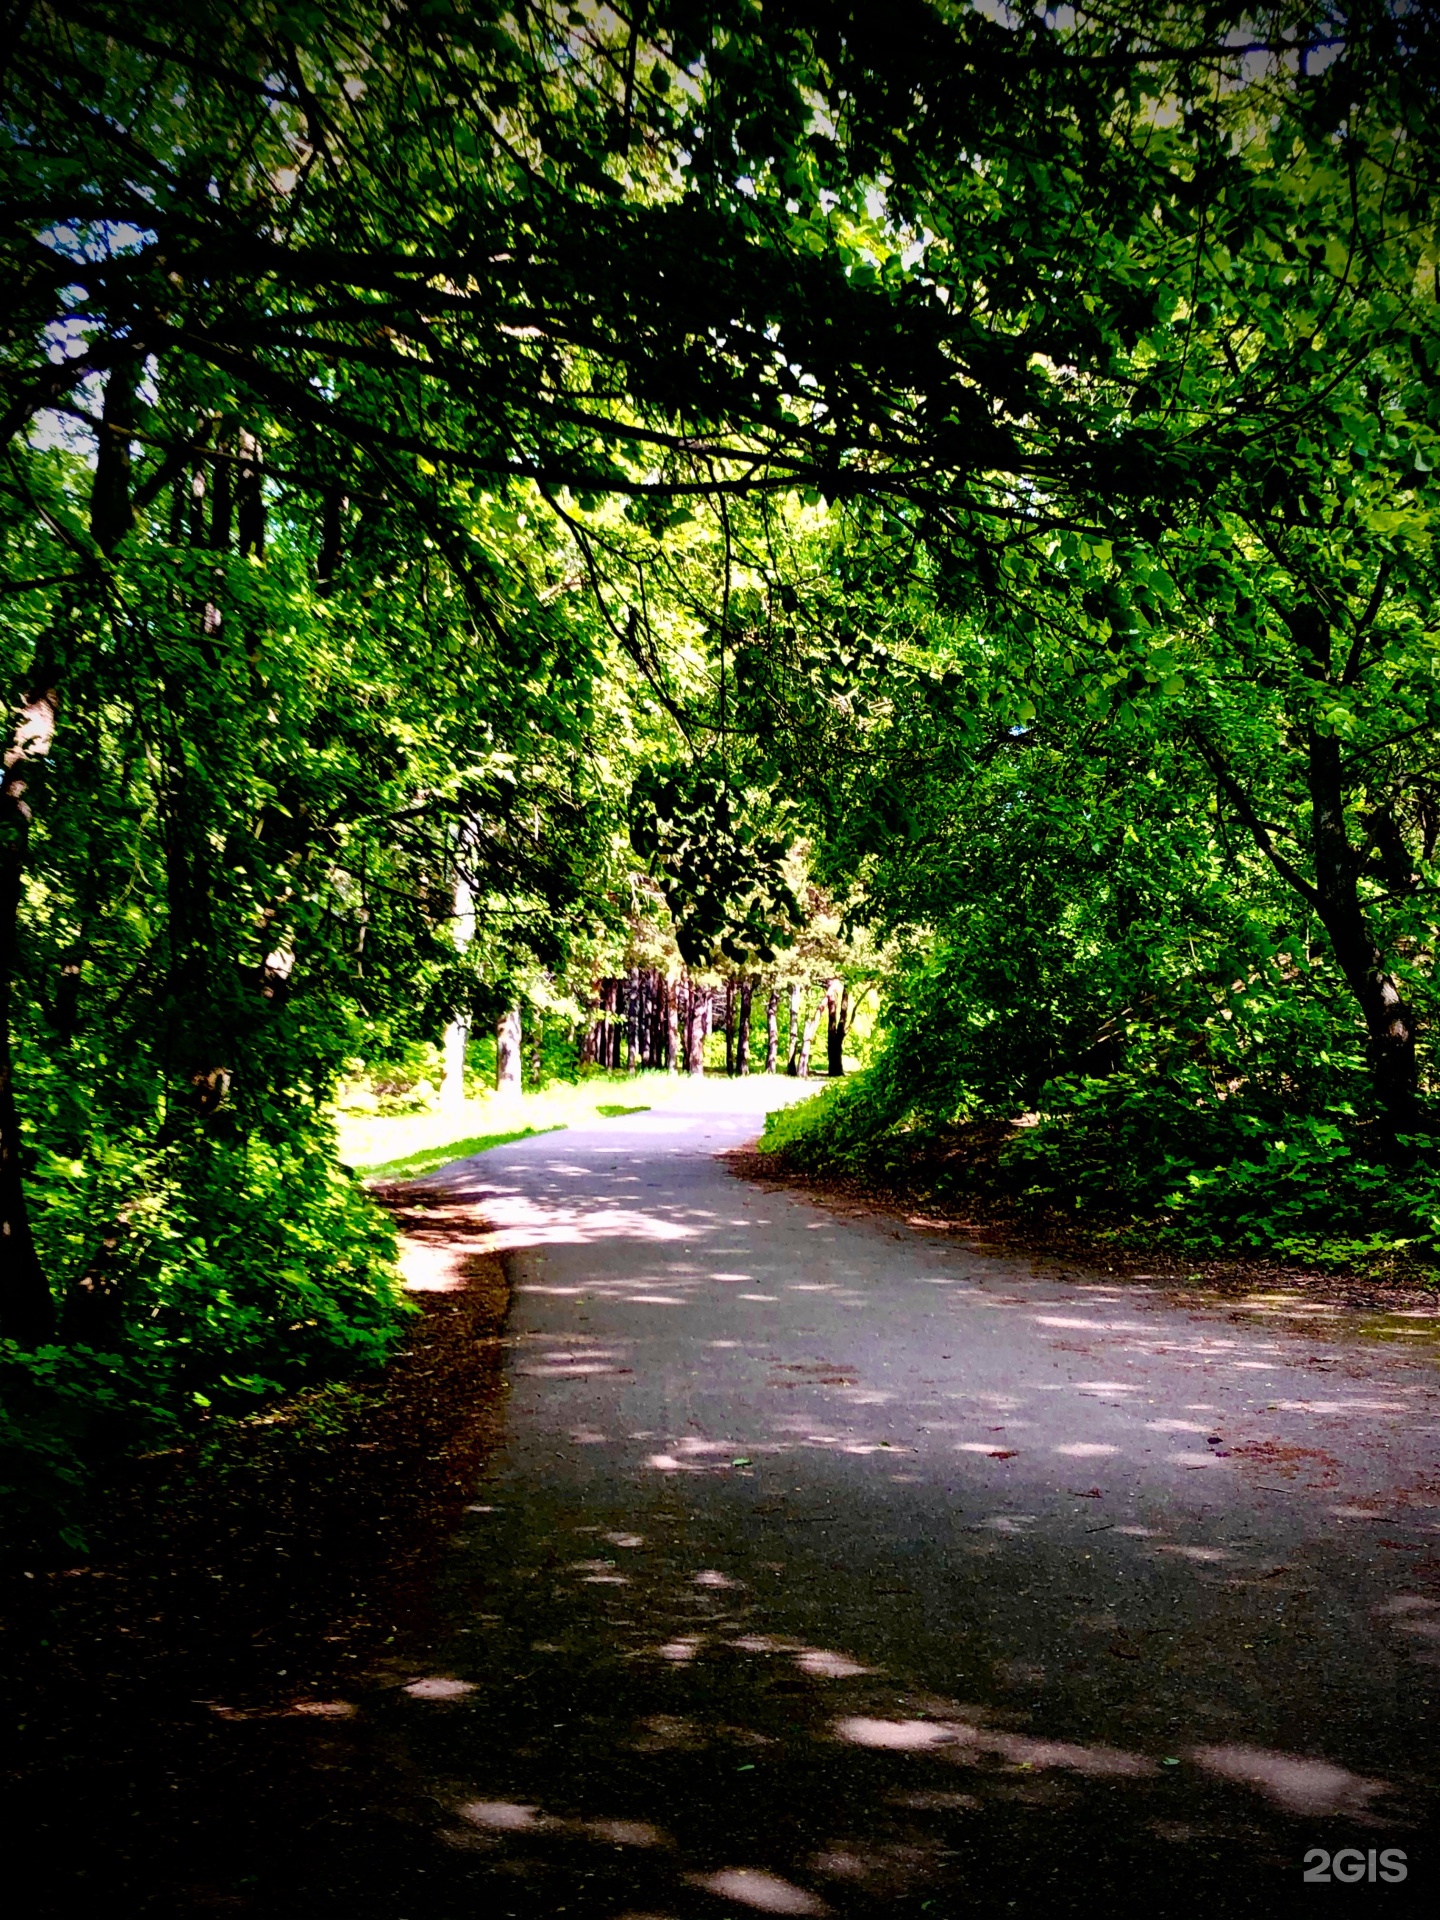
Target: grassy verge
x,y
396,1146
411,1166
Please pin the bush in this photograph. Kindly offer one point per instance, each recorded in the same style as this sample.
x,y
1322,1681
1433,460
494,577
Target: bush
x,y
1153,1158
1169,1159
196,1278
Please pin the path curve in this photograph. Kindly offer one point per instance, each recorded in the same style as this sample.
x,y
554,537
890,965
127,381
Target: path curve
x,y
830,1567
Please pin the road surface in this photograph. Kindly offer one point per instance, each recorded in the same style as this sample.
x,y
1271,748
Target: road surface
x,y
831,1567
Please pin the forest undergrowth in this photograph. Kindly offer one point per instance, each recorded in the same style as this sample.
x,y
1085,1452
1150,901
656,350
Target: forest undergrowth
x,y
242,1586
1126,1174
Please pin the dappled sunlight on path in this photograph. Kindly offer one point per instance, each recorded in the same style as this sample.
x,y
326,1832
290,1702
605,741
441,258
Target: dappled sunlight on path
x,y
828,1565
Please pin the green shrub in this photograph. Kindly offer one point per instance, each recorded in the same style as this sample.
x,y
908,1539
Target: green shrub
x,y
1169,1158
1155,1158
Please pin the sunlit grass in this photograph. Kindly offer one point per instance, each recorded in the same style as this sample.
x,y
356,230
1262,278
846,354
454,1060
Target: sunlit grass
x,y
413,1165
394,1146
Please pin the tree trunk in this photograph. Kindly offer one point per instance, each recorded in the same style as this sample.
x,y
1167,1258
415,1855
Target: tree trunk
x,y
332,533
729,1029
672,1027
772,1031
742,1041
792,1050
222,502
802,1066
112,514
250,498
632,1020
27,1307
588,1030
507,1051
837,1003
1334,895
697,1029
457,1034
452,1073
1390,1023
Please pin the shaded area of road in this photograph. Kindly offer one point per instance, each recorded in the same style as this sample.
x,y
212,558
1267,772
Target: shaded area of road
x,y
833,1568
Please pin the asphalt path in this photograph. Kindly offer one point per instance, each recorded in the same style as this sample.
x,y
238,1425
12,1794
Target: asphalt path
x,y
834,1566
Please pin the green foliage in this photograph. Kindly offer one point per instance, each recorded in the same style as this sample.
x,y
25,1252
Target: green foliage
x,y
1151,1160
1169,1163
59,1407
998,457
724,878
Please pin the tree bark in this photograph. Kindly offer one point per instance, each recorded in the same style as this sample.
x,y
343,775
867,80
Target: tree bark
x,y
729,1029
837,1005
27,1307
697,1029
802,1066
507,1051
772,1031
742,1039
452,1072
457,1033
1390,1022
332,532
672,1027
1334,894
250,498
792,1050
112,513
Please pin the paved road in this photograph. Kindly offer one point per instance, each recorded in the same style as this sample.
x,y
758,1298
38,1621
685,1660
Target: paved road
x,y
831,1567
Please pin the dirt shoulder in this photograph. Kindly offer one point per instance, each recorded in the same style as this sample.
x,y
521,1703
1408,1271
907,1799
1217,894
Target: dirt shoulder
x,y
1061,1244
193,1677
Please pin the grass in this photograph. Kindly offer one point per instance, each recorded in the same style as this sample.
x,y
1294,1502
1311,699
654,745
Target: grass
x,y
409,1166
396,1146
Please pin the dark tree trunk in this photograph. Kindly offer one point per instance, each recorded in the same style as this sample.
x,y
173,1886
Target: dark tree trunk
x,y
27,1307
198,488
1334,895
112,514
250,498
802,1065
792,1050
222,502
332,529
632,1020
697,1028
672,1027
772,1031
192,1033
742,1043
1390,1023
730,1029
659,995
837,1001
